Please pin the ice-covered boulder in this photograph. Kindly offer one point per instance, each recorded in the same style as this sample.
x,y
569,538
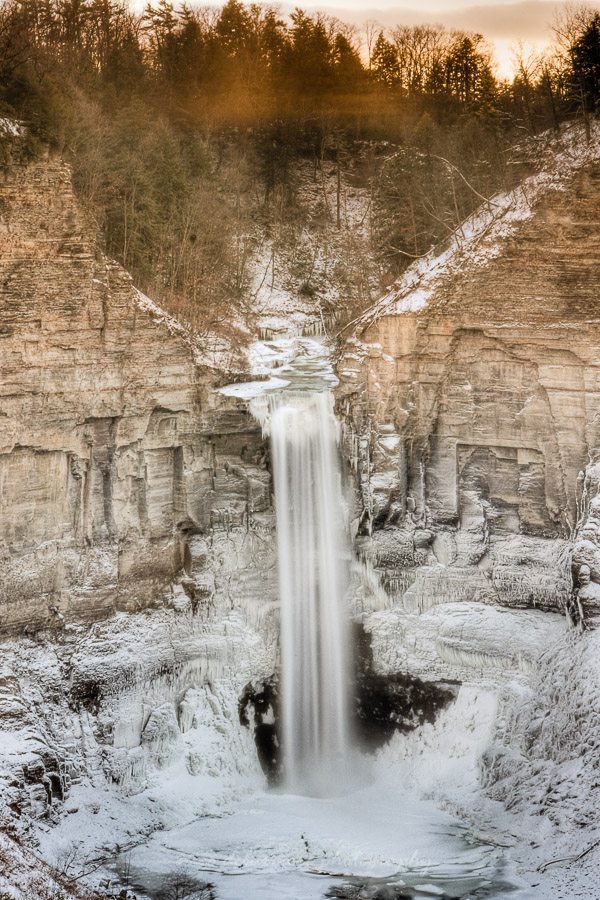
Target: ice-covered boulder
x,y
161,737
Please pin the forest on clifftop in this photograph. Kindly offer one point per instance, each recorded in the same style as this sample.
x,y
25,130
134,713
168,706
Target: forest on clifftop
x,y
189,128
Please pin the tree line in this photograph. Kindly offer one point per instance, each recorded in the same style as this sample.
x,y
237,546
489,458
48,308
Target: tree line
x,y
185,124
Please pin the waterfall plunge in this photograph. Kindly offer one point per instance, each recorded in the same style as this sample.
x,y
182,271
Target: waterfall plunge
x,y
313,564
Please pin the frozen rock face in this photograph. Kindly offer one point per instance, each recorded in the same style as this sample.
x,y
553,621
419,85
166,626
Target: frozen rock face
x,y
139,699
470,415
543,760
470,401
113,447
585,604
136,717
127,485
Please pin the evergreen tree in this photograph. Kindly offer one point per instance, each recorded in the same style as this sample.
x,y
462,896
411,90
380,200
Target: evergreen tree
x,y
585,55
384,62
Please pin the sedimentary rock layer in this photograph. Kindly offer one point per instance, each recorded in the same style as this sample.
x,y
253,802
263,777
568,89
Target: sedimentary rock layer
x,y
472,406
114,449
126,482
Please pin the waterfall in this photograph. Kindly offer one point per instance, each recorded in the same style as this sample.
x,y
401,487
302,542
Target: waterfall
x,y
313,565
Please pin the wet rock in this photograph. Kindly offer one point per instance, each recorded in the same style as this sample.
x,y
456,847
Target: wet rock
x,y
383,705
393,702
259,711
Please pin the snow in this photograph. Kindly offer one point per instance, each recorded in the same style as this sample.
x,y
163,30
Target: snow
x,y
209,349
313,253
199,798
266,355
474,642
181,780
408,822
8,127
480,238
270,845
201,802
248,390
24,876
302,361
160,315
272,836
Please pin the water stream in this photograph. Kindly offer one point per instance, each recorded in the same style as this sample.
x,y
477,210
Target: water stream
x,y
315,634
313,552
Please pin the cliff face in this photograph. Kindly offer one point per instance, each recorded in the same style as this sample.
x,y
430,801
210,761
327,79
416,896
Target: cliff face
x,y
471,400
126,483
113,446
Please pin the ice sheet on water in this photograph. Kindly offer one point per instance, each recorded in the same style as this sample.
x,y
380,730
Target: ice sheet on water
x,y
288,361
276,845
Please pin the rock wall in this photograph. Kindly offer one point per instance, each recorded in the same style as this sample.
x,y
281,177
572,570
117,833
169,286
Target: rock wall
x,y
470,398
470,418
127,483
114,449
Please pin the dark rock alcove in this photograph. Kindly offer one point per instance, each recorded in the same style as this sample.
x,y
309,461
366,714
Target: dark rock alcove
x,y
382,705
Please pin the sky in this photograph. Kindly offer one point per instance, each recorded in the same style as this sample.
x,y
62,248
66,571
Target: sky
x,y
503,22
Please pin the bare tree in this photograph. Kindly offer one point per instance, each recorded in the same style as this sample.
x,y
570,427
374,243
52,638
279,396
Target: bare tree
x,y
527,63
569,23
370,30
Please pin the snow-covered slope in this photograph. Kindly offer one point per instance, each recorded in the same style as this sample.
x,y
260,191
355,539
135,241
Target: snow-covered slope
x,y
484,235
25,876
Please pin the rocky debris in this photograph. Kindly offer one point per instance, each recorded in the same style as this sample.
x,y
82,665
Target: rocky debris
x,y
371,892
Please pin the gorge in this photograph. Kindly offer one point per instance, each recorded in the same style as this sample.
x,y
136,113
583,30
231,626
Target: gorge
x,y
143,516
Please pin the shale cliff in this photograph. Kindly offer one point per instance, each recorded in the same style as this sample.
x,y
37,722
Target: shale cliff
x,y
471,397
127,484
138,591
113,446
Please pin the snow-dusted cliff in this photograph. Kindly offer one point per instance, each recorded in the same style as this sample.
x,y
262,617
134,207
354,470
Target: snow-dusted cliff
x,y
138,598
126,483
113,444
470,398
470,395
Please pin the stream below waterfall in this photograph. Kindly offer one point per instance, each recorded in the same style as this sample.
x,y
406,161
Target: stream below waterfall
x,y
385,838
285,847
